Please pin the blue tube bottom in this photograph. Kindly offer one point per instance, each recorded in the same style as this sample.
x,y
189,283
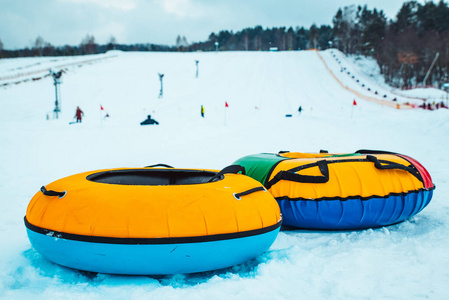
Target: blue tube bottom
x,y
352,213
150,259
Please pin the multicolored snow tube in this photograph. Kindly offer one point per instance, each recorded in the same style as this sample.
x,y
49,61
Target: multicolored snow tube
x,y
153,220
342,191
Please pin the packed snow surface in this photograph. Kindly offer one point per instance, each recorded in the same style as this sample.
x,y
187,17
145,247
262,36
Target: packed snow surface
x,y
404,261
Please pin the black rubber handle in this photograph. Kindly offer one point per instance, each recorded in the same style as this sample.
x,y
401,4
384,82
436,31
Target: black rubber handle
x,y
52,193
233,169
238,196
365,151
292,176
160,165
390,165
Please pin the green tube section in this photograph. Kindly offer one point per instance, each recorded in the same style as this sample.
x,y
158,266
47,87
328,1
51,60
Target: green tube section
x,y
258,166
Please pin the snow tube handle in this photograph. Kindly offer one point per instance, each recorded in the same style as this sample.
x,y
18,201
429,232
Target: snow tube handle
x,y
232,169
290,175
390,165
52,193
159,165
238,196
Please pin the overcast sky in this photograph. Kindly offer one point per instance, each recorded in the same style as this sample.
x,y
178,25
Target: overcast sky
x,y
62,22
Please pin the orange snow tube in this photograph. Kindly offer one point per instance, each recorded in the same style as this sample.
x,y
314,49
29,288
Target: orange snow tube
x,y
206,220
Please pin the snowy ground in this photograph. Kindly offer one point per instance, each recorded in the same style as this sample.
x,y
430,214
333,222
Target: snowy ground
x,y
404,261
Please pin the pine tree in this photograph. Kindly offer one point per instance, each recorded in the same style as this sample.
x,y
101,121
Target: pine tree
x,y
406,18
291,44
325,37
374,26
302,38
313,37
441,17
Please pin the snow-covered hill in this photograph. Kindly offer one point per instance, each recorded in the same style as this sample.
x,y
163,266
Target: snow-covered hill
x,y
403,261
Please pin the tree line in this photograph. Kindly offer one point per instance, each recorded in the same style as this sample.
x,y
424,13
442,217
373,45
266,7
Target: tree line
x,y
404,48
259,39
87,46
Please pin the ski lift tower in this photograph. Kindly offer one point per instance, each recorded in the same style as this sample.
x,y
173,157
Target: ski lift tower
x,y
161,91
57,81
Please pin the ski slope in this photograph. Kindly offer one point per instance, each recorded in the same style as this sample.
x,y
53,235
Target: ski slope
x,y
404,261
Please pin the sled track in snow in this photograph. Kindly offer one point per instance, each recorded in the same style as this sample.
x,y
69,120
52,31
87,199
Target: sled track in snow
x,y
360,95
392,91
31,76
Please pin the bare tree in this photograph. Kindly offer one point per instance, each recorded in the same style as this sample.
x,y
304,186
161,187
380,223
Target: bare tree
x,y
88,45
184,42
181,43
111,44
48,50
112,40
346,28
39,46
178,42
245,42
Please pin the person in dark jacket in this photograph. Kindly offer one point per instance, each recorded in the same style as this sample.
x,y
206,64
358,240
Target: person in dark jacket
x,y
79,114
149,121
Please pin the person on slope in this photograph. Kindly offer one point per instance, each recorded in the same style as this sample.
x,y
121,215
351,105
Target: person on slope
x,y
149,121
202,111
79,114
